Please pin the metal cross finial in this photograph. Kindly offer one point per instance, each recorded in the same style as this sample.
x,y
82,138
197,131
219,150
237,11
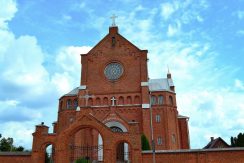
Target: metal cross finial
x,y
113,17
113,99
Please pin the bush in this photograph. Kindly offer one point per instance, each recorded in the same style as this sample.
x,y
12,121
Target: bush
x,y
144,143
82,160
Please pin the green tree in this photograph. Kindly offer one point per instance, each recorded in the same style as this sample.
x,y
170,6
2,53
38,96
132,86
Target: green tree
x,y
144,143
237,141
6,144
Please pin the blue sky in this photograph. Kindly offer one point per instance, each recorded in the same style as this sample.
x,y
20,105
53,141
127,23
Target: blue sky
x,y
201,41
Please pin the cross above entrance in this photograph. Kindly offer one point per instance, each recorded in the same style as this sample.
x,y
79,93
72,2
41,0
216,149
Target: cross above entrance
x,y
87,96
113,99
113,17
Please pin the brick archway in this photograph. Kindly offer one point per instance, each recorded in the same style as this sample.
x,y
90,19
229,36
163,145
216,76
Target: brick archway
x,y
87,120
109,139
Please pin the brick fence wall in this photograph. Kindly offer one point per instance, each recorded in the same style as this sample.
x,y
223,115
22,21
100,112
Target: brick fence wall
x,y
225,155
15,157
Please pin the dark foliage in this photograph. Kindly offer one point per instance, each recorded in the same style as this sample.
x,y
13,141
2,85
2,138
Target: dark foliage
x,y
237,141
144,143
6,145
82,160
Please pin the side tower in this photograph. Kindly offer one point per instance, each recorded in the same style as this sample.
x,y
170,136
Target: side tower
x,y
168,129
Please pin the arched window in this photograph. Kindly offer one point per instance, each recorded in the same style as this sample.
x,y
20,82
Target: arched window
x,y
68,104
159,140
121,100
153,100
137,100
105,101
158,118
75,103
160,100
98,101
129,100
90,102
171,101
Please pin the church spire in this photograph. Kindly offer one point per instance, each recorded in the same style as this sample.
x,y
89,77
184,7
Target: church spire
x,y
168,74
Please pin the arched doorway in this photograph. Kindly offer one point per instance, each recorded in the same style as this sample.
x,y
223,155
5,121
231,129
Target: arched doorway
x,y
49,154
122,148
123,154
86,145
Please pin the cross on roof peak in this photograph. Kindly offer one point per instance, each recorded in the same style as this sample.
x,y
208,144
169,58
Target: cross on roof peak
x,y
113,17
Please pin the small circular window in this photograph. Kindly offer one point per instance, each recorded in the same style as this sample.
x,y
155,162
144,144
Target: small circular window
x,y
113,71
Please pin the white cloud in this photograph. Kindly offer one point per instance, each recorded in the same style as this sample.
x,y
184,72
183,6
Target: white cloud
x,y
69,64
240,32
173,29
167,9
212,113
7,11
239,84
67,17
240,14
21,132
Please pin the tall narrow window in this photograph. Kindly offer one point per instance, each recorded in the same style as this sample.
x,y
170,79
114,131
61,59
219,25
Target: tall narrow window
x,y
75,103
159,140
105,101
121,100
137,100
173,138
90,102
153,100
158,118
160,100
68,104
98,101
113,41
171,101
129,100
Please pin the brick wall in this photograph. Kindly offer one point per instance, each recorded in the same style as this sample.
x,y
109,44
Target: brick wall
x,y
15,157
224,155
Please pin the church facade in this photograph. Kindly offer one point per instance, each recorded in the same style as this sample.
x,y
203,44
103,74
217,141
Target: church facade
x,y
116,96
115,112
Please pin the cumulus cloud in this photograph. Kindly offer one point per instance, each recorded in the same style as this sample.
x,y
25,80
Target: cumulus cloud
x,y
7,13
28,91
208,101
69,65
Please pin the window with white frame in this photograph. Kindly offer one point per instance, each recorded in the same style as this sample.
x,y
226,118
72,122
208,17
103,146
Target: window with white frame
x,y
160,100
159,140
158,118
153,100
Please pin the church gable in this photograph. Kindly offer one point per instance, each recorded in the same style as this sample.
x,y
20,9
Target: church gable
x,y
114,43
115,63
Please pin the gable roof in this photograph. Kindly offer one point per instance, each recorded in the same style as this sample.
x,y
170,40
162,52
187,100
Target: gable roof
x,y
113,30
213,143
74,92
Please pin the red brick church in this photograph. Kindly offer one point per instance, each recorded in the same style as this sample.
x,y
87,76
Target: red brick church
x,y
104,118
